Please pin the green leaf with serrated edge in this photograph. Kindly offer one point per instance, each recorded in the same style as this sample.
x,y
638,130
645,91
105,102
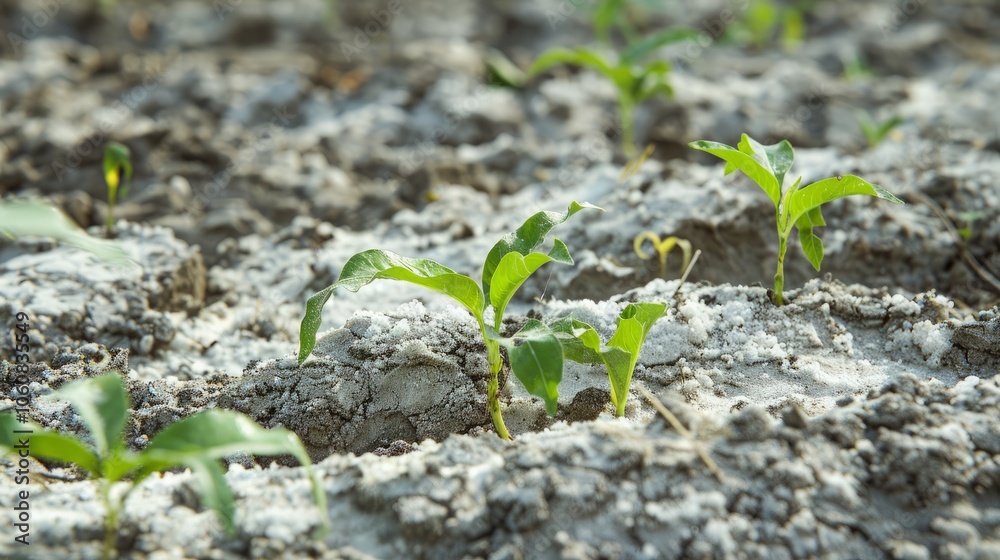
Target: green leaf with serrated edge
x,y
46,444
776,158
527,238
515,268
634,324
103,405
816,194
536,359
657,41
214,491
214,434
736,159
368,266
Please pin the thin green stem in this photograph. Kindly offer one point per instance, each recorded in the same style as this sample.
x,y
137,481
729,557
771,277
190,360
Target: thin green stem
x,y
110,521
625,106
493,388
779,276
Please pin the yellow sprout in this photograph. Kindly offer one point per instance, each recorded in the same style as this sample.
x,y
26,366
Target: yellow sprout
x,y
662,248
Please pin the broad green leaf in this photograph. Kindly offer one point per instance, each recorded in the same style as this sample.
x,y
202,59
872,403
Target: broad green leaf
x,y
776,158
214,434
634,324
537,361
812,196
580,342
753,168
215,492
368,266
117,165
619,74
515,268
46,444
656,41
29,218
526,238
103,405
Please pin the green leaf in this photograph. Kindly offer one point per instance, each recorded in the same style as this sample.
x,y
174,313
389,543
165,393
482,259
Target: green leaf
x,y
634,324
368,266
515,268
657,41
215,492
214,434
46,444
580,342
526,238
604,17
103,405
757,170
537,361
815,195
652,81
812,245
22,218
502,71
620,75
776,158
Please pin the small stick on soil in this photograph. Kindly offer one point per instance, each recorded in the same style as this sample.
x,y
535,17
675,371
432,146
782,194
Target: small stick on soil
x,y
687,271
673,421
979,269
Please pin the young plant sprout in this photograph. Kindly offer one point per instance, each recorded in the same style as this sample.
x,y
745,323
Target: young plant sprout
x,y
662,248
875,132
535,354
117,167
197,442
635,80
797,207
583,345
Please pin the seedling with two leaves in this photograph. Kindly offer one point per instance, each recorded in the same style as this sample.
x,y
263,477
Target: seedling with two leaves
x,y
876,131
662,248
534,352
117,173
635,80
197,442
796,207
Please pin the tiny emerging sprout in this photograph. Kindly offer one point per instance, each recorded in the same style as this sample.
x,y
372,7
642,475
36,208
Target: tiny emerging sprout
x,y
875,132
662,248
796,207
117,166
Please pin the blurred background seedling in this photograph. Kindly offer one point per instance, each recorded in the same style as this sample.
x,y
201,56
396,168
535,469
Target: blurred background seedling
x,y
117,175
662,247
765,21
875,132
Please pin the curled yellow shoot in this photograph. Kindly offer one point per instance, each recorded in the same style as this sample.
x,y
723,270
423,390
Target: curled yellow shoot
x,y
662,248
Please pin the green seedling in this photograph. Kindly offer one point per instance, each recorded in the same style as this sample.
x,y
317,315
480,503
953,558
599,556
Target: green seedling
x,y
797,207
765,19
635,81
197,442
662,249
875,132
117,174
582,344
855,68
25,218
535,354
969,219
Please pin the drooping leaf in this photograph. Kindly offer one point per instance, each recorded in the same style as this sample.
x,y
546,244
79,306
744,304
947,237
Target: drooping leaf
x,y
103,405
368,266
816,194
657,41
527,238
515,268
45,444
812,245
536,359
30,218
214,434
215,492
756,169
580,342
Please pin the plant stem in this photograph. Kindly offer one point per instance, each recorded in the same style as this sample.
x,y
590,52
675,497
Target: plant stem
x,y
625,113
779,276
110,521
493,388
